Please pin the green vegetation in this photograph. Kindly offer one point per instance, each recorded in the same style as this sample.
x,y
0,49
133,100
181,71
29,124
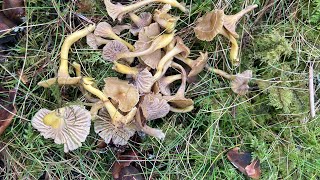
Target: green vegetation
x,y
272,120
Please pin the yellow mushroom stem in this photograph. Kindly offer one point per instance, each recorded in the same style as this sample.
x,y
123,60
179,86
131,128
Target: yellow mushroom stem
x,y
134,18
179,110
164,60
234,47
171,79
72,38
115,115
60,80
123,69
52,119
160,42
220,72
116,37
88,96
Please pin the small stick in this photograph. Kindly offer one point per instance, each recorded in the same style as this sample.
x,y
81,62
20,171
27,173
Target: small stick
x,y
311,91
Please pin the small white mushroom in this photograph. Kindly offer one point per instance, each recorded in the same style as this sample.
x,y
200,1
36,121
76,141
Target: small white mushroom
x,y
68,125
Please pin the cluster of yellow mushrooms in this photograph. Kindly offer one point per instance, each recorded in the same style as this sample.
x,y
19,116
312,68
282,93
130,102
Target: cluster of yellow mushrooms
x,y
125,106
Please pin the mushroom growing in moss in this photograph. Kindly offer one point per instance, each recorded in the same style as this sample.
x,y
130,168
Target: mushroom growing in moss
x,y
239,82
117,11
68,125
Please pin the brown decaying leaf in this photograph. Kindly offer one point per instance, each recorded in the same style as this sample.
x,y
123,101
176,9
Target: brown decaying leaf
x,y
125,160
242,161
7,109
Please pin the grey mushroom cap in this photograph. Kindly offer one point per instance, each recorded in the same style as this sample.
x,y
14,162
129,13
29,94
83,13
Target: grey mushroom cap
x,y
239,84
73,130
108,131
154,107
144,81
146,19
113,48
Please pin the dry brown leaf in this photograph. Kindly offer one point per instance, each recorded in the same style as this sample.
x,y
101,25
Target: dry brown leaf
x,y
125,159
7,109
242,161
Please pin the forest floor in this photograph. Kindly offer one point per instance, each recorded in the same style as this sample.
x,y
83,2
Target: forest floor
x,y
278,42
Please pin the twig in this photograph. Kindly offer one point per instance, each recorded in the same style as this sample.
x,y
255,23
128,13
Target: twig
x,y
311,91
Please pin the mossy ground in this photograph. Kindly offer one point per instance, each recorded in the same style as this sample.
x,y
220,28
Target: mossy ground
x,y
272,120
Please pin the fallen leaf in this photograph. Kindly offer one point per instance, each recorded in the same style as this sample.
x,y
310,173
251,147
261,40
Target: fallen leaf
x,y
242,161
7,109
130,173
124,160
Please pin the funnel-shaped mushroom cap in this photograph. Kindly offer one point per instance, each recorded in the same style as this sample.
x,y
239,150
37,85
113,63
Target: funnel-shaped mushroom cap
x,y
185,51
95,41
146,36
122,92
68,125
209,25
199,64
107,131
239,84
230,21
119,28
143,20
114,47
154,107
165,20
164,83
144,81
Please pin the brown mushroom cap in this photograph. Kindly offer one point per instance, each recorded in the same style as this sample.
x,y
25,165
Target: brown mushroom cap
x,y
144,81
154,107
185,51
199,64
165,20
121,91
114,47
108,131
209,25
230,21
72,130
240,82
164,83
146,35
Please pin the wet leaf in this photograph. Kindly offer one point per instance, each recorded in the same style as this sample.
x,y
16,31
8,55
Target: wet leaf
x,y
130,173
242,161
7,109
124,160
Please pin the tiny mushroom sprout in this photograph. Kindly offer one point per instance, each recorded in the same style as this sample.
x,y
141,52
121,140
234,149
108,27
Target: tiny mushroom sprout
x,y
164,19
117,11
196,65
105,30
108,131
125,94
141,21
63,73
68,125
239,82
95,41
